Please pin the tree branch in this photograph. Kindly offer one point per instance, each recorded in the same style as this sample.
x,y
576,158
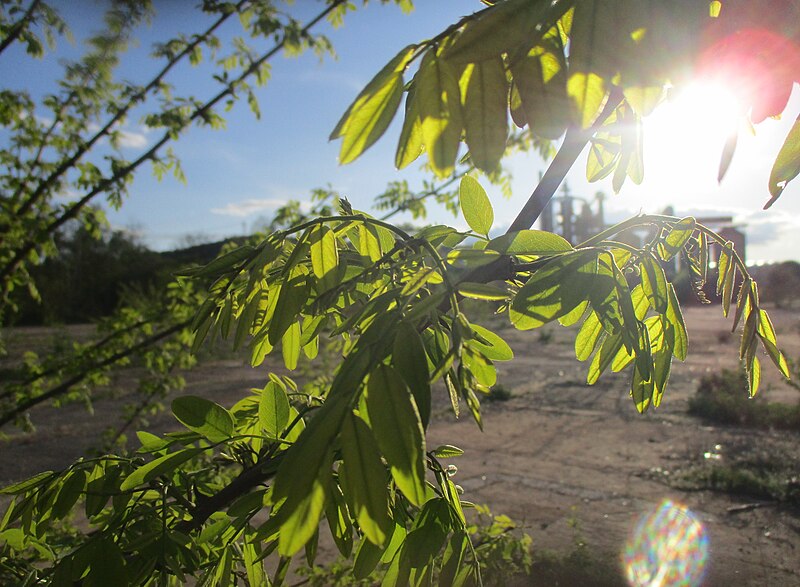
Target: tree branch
x,y
17,29
574,143
63,387
121,112
26,248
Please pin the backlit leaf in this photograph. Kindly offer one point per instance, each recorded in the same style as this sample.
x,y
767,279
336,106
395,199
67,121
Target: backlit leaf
x,y
158,467
303,475
439,110
485,100
410,360
366,480
540,78
324,256
529,242
273,409
398,430
203,416
489,344
482,291
787,164
475,205
372,111
654,283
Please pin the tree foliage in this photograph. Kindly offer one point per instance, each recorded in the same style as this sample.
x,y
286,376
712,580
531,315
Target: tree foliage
x,y
244,489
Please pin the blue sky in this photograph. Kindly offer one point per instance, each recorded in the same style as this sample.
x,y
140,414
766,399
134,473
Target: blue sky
x,y
240,174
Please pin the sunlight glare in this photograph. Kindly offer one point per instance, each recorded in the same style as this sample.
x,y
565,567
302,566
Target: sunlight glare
x,y
667,548
688,133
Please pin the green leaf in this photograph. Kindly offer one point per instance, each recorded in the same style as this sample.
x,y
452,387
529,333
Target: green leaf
x,y
554,290
604,357
273,409
453,556
642,389
398,430
540,78
203,416
69,493
482,291
366,478
223,264
303,475
754,375
410,145
500,29
766,332
588,337
158,467
324,256
485,98
489,344
529,242
654,283
290,346
291,296
108,566
787,164
367,558
411,361
475,205
678,236
372,111
447,451
675,319
439,99
27,484
338,516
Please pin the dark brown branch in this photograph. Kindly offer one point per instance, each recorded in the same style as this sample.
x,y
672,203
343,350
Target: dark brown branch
x,y
20,25
64,387
574,143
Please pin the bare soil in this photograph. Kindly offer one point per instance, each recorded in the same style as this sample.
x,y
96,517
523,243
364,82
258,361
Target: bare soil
x,y
557,451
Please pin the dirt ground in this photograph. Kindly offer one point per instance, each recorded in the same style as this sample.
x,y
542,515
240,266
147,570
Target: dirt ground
x,y
557,451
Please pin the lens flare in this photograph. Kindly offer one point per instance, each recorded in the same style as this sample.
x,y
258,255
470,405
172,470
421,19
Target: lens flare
x,y
667,548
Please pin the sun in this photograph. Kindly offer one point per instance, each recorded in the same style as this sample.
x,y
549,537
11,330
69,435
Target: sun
x,y
686,135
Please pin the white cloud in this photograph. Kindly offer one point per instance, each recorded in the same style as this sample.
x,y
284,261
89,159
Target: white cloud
x,y
252,206
132,140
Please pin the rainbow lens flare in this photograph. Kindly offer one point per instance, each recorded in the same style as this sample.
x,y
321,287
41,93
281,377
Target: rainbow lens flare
x,y
668,547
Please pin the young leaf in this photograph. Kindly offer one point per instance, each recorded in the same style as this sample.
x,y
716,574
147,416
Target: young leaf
x,y
273,409
366,478
678,236
554,290
158,467
489,344
303,475
324,256
411,361
482,291
203,416
654,283
290,346
372,111
398,431
541,81
588,337
475,205
787,164
485,98
675,320
529,242
439,109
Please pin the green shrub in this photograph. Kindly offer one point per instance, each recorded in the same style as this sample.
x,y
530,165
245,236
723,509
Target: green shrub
x,y
722,398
